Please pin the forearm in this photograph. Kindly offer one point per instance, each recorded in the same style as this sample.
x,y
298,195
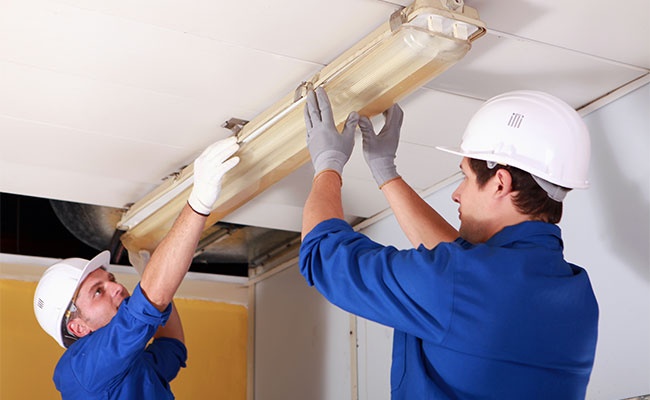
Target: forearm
x,y
324,201
173,328
171,259
419,221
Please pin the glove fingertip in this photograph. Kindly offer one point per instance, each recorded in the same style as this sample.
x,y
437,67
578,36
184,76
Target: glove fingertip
x,y
352,120
231,163
365,125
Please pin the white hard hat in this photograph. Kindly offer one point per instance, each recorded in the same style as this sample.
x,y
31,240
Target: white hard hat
x,y
533,131
56,288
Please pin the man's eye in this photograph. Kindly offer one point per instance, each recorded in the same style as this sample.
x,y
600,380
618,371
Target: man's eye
x,y
98,292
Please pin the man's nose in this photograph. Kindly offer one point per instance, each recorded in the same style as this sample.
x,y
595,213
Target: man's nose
x,y
456,196
116,289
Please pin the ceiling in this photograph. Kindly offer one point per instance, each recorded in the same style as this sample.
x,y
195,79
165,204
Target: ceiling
x,y
100,100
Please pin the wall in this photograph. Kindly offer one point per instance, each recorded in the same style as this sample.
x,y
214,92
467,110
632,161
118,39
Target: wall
x,y
216,337
216,340
302,343
607,229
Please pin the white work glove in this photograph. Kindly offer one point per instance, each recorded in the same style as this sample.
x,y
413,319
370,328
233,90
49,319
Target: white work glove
x,y
379,149
209,169
328,148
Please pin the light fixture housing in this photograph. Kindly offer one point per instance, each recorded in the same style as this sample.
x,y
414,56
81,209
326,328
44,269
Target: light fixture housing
x,y
417,43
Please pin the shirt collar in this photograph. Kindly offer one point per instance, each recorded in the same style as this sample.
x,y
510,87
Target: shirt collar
x,y
542,233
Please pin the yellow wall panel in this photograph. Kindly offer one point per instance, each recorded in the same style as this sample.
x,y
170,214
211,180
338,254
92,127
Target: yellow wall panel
x,y
215,335
216,339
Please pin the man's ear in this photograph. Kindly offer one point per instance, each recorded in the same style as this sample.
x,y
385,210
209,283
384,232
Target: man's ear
x,y
503,182
78,327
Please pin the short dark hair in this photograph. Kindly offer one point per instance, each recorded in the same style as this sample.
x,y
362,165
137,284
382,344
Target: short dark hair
x,y
531,199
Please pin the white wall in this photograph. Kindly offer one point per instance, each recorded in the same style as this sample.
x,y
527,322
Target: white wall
x,y
302,343
606,229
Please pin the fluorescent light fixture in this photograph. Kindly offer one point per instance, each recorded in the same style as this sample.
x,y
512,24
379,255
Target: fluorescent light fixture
x,y
417,43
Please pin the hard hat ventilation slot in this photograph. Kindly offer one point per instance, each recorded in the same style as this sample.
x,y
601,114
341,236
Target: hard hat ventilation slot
x,y
515,120
40,303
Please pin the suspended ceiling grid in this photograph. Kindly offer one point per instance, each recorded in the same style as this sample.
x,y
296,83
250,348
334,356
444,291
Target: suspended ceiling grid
x,y
100,100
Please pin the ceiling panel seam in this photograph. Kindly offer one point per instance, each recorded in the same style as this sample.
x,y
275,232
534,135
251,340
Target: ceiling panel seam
x,y
614,95
595,57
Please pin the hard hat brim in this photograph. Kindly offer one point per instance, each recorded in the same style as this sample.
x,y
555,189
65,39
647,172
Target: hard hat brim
x,y
499,159
100,260
453,150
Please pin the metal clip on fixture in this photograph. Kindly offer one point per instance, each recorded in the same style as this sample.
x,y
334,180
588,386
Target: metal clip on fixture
x,y
235,125
302,89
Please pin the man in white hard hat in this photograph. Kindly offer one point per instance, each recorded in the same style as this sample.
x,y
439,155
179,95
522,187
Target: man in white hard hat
x,y
492,311
106,331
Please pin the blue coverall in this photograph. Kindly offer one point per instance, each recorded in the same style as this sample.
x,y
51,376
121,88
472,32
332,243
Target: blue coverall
x,y
506,319
115,362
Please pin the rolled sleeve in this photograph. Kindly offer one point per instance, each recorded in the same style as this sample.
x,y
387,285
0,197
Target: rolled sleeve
x,y
139,307
411,290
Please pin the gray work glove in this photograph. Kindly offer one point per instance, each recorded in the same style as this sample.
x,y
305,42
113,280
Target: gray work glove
x,y
379,149
209,169
328,148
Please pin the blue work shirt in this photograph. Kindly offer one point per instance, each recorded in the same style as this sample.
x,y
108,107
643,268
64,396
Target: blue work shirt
x,y
114,362
506,319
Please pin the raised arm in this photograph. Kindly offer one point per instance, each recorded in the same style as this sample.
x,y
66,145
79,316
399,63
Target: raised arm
x,y
324,201
419,221
171,259
173,328
329,152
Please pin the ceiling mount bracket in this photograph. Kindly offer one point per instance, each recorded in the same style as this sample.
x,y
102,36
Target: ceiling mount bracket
x,y
397,19
234,124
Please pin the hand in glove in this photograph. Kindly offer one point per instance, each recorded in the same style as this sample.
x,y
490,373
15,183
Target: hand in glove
x,y
328,148
379,149
209,169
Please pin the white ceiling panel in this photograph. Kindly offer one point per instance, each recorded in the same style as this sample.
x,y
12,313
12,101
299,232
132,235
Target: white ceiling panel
x,y
304,29
109,49
100,100
617,31
497,64
77,186
102,109
66,149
